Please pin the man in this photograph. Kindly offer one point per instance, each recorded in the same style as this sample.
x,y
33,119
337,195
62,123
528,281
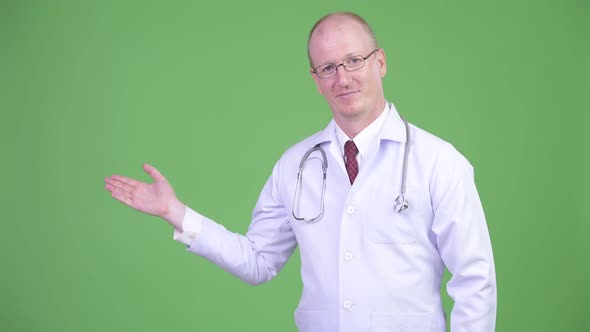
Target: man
x,y
367,264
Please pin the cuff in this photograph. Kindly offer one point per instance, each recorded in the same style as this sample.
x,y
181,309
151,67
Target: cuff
x,y
191,226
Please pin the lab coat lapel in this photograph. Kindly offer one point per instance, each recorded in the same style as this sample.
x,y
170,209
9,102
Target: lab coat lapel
x,y
393,128
328,136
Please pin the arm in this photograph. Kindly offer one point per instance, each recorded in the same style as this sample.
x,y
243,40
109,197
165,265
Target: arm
x,y
254,258
464,244
259,255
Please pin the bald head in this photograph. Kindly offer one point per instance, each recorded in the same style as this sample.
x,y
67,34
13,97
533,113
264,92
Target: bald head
x,y
339,17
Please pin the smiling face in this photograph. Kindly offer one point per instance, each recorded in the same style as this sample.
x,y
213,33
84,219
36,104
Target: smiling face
x,y
355,96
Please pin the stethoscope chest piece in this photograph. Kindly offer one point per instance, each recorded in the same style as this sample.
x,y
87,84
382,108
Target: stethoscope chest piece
x,y
401,203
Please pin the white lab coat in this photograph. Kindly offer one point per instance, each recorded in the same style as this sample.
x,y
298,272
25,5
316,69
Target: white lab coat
x,y
364,266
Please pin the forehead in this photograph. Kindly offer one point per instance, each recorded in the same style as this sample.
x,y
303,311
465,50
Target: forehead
x,y
338,38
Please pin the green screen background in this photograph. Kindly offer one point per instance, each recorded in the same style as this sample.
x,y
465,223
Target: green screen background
x,y
212,94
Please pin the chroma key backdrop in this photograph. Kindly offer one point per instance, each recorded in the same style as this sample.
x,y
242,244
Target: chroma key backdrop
x,y
212,93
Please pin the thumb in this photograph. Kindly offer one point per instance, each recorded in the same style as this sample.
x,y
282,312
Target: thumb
x,y
153,172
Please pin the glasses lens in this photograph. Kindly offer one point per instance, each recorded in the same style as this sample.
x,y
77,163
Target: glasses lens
x,y
326,71
354,63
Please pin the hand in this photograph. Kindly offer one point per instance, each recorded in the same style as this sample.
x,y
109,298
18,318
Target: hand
x,y
157,198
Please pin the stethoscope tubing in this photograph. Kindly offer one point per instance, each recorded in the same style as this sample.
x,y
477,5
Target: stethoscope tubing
x,y
400,204
302,163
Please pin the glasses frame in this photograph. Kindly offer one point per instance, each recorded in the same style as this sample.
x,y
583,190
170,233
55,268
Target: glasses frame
x,y
315,70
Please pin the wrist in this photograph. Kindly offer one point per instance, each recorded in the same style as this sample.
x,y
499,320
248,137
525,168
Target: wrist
x,y
175,214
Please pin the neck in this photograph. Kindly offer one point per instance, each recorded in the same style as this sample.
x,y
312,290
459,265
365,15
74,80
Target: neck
x,y
353,125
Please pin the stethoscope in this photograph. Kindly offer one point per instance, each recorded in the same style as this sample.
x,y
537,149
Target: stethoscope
x,y
400,204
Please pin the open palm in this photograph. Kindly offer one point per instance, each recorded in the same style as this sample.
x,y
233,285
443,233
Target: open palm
x,y
152,198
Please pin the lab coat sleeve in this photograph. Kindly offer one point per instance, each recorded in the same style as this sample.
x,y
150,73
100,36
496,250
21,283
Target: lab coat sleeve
x,y
463,242
259,255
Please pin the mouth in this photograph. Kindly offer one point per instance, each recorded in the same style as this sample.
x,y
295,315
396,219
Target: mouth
x,y
347,93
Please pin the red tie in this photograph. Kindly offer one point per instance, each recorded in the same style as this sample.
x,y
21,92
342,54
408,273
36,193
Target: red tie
x,y
352,166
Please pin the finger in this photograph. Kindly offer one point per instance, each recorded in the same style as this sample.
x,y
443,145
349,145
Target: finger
x,y
153,172
109,187
120,192
123,191
123,198
125,179
119,184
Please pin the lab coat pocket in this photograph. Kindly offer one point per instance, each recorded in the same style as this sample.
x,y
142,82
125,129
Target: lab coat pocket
x,y
393,230
387,226
311,320
401,322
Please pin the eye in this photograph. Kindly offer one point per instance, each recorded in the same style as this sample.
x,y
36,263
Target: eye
x,y
328,68
355,60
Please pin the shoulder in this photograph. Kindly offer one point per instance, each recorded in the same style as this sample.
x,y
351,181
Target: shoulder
x,y
292,156
300,148
443,153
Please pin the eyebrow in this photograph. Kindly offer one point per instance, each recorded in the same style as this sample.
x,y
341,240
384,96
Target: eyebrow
x,y
348,55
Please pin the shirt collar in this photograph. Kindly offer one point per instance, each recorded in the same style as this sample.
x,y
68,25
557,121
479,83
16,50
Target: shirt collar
x,y
391,128
366,141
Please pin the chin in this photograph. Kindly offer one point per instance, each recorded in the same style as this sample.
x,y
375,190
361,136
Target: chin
x,y
350,112
350,109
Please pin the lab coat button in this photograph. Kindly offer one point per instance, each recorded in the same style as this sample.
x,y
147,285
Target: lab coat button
x,y
348,257
350,209
347,304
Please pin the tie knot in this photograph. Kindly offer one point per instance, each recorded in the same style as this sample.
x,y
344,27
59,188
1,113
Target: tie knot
x,y
350,149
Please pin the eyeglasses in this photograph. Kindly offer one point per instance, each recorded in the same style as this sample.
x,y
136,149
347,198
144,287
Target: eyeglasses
x,y
352,63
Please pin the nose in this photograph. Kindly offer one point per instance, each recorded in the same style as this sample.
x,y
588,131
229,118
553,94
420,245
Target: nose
x,y
343,76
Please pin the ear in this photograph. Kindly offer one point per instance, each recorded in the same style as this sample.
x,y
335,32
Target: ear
x,y
315,79
382,63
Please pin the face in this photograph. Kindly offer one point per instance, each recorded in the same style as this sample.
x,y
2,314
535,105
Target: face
x,y
356,95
